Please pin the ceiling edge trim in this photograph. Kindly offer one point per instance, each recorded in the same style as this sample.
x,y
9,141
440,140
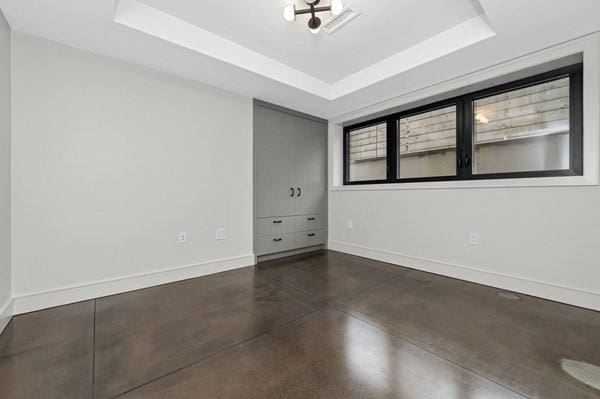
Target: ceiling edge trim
x,y
141,17
472,31
154,22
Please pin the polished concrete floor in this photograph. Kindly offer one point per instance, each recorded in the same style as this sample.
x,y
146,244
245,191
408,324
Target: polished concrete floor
x,y
320,325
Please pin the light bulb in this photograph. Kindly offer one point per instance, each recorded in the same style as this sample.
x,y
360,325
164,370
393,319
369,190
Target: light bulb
x,y
336,7
289,13
316,30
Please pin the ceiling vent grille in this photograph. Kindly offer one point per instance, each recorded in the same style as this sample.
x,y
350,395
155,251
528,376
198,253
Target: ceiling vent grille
x,y
336,22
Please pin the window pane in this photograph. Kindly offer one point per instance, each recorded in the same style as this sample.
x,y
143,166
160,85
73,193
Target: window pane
x,y
427,144
368,153
523,130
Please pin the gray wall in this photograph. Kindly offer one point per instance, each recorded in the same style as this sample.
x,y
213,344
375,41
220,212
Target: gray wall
x,y
5,233
368,170
539,153
110,162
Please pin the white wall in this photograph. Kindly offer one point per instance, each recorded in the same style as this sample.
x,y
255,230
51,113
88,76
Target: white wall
x,y
5,271
539,237
110,162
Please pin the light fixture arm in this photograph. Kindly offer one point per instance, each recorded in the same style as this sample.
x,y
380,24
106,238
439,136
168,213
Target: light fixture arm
x,y
312,10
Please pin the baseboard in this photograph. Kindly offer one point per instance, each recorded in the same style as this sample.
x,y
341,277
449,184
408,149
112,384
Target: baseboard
x,y
554,292
6,312
63,296
263,258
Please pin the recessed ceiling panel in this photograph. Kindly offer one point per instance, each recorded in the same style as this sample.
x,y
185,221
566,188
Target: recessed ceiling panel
x,y
397,51
167,26
385,28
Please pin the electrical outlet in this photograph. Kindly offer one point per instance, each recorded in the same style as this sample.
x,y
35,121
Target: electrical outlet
x,y
473,238
349,224
182,237
221,234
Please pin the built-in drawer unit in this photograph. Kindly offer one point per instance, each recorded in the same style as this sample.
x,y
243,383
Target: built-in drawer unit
x,y
310,238
275,243
310,222
290,181
273,226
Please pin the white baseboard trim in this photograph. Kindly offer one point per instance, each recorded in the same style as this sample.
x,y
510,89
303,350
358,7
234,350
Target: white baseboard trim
x,y
6,312
292,252
551,291
63,296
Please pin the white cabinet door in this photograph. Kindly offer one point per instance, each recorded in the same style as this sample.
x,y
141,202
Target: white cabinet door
x,y
310,143
274,168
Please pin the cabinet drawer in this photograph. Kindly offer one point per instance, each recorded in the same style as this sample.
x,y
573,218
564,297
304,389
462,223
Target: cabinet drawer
x,y
275,243
310,238
273,226
310,222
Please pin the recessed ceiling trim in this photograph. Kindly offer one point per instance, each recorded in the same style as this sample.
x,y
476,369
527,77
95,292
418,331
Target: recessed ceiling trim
x,y
139,16
463,35
144,18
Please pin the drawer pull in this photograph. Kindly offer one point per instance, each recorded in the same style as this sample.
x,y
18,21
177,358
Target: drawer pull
x,y
277,221
311,234
310,219
277,239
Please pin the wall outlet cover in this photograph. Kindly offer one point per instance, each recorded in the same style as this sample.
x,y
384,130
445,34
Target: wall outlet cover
x,y
221,234
182,237
473,238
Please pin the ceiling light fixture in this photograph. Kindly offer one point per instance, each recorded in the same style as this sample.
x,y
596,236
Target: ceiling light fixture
x,y
314,23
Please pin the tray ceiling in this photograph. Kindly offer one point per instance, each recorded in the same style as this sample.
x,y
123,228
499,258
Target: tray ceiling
x,y
394,47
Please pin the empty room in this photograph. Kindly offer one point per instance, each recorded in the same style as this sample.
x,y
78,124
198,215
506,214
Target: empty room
x,y
300,199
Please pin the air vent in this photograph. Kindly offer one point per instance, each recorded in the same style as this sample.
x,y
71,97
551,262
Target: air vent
x,y
336,22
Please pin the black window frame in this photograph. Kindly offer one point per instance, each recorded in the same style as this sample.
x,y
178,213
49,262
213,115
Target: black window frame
x,y
465,132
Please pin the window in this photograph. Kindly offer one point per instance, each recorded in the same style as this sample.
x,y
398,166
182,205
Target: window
x,y
523,130
528,128
427,144
368,153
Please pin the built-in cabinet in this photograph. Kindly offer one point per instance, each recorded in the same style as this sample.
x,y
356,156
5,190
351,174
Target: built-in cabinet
x,y
290,180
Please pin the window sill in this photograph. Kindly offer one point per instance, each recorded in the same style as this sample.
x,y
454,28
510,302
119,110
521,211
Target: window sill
x,y
563,181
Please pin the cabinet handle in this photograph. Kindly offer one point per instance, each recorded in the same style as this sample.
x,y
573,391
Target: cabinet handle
x,y
291,191
310,219
299,192
311,234
467,161
277,221
459,162
276,239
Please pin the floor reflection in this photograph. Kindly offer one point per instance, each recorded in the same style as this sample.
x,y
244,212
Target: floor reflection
x,y
368,357
387,366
